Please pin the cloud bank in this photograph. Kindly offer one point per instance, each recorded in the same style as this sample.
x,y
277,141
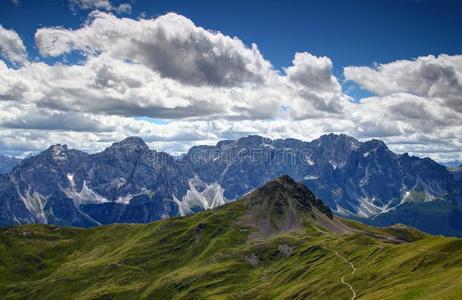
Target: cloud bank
x,y
208,86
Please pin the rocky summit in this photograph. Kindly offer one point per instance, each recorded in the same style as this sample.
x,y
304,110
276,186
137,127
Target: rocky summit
x,y
130,183
283,205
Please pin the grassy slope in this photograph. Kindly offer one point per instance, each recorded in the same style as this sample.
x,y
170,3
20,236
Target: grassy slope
x,y
205,256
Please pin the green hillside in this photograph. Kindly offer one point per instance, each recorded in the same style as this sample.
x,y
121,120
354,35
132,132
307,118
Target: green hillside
x,y
227,253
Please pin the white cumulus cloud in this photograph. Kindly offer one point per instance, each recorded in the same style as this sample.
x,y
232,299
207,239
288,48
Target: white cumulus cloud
x,y
11,46
207,86
428,76
171,45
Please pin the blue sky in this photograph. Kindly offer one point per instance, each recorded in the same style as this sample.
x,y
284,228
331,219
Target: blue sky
x,y
401,60
350,32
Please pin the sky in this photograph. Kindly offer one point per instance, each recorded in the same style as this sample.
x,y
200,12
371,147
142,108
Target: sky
x,y
179,73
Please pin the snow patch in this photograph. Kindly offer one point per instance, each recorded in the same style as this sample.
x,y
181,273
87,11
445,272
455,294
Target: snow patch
x,y
342,211
70,178
183,207
333,164
124,199
310,161
201,195
85,195
35,203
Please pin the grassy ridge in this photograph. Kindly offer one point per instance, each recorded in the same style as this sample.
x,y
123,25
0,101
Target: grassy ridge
x,y
208,256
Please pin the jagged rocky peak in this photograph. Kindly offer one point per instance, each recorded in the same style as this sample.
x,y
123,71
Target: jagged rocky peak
x,y
334,149
337,140
130,148
58,148
374,144
57,153
284,190
131,142
283,204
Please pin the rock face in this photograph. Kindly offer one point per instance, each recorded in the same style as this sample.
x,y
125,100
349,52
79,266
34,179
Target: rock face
x,y
353,178
126,183
130,183
283,204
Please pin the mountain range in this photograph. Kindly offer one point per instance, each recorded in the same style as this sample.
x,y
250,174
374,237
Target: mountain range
x,y
130,183
278,242
452,164
7,163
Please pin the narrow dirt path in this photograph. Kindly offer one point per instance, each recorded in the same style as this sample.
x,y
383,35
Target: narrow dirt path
x,y
343,277
439,252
